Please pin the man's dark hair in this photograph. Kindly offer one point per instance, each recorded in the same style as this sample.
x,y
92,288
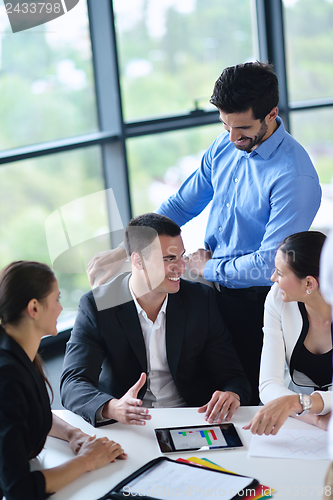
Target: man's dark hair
x,y
252,85
141,231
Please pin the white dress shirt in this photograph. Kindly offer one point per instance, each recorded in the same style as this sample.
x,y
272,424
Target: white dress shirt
x,y
161,389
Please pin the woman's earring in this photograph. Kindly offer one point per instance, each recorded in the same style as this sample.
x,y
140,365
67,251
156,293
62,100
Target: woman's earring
x,y
308,292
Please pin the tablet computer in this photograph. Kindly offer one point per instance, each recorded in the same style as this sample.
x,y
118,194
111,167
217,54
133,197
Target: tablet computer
x,y
198,438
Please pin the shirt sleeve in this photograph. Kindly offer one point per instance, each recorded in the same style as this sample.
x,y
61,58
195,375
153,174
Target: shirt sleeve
x,y
99,417
273,358
294,202
193,195
326,396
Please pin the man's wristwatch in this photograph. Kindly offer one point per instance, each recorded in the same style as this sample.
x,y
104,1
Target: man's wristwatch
x,y
306,403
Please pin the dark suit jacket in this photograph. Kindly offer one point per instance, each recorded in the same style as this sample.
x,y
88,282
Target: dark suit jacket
x,y
106,353
25,421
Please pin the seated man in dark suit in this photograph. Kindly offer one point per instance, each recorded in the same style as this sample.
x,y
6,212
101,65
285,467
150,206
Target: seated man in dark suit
x,y
151,339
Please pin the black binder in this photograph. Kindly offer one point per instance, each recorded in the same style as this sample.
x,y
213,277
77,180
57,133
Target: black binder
x,y
122,490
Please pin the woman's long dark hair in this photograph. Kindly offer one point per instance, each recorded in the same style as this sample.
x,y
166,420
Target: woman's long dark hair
x,y
302,252
20,282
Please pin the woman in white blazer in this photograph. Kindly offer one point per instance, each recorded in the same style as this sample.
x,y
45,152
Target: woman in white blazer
x,y
297,334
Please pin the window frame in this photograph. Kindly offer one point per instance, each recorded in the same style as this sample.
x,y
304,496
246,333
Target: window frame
x,y
113,131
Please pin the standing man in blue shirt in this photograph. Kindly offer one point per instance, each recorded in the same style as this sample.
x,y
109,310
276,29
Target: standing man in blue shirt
x,y
262,187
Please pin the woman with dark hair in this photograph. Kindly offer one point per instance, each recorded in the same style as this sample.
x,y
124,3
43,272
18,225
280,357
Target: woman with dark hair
x,y
297,332
29,308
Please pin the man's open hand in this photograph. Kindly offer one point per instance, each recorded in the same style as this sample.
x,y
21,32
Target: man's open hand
x,y
128,409
222,405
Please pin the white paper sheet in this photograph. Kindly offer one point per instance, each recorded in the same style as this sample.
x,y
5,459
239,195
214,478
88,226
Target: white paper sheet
x,y
170,479
291,443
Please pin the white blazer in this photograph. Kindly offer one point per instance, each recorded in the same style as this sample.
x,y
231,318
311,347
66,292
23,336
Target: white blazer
x,y
283,324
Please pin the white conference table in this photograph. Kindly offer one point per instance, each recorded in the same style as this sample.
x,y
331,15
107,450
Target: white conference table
x,y
290,478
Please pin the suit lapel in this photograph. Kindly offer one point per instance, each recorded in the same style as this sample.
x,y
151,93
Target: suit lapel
x,y
175,330
127,316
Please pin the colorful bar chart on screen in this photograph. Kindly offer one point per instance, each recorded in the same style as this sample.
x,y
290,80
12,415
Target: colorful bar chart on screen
x,y
198,438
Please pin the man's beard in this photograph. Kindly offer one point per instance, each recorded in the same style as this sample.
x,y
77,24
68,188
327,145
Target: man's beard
x,y
255,140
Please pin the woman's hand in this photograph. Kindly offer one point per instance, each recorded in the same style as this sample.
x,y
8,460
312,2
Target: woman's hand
x,y
270,418
76,438
320,421
98,452
92,454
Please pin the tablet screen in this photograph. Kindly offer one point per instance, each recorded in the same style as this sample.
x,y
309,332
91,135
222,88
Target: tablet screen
x,y
196,438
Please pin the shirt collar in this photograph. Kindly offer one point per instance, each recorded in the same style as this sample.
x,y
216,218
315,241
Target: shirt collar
x,y
269,145
139,308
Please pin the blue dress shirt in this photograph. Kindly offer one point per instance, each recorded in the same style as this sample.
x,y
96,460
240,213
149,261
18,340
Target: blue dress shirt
x,y
258,199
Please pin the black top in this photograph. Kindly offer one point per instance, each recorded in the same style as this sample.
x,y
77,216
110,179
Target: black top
x,y
318,367
25,420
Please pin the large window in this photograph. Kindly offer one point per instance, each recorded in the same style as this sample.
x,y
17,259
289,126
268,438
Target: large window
x,y
309,54
171,52
115,94
160,163
158,166
47,93
30,192
46,80
309,57
170,55
314,130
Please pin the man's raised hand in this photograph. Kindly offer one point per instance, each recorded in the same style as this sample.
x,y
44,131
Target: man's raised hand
x,y
128,409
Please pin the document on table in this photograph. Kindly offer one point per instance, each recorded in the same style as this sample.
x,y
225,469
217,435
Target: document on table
x,y
307,444
169,479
